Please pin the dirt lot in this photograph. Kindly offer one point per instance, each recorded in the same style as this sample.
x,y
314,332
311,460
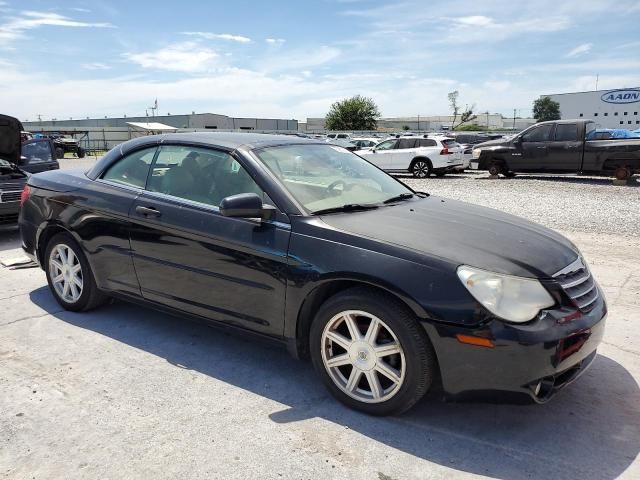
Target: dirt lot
x,y
125,392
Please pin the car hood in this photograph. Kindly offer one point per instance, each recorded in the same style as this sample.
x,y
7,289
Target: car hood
x,y
493,143
463,233
10,129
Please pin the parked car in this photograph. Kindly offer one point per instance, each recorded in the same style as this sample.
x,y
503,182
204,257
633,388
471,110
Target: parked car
x,y
561,146
64,144
387,290
365,143
418,155
12,178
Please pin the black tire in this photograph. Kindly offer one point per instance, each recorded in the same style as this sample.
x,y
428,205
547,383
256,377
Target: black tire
x,y
623,173
421,168
90,296
59,152
495,169
419,356
81,152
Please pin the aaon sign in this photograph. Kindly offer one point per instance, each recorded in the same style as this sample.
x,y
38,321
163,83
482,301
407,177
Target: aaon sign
x,y
622,96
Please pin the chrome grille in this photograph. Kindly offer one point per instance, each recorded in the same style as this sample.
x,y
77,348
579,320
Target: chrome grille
x,y
6,197
579,285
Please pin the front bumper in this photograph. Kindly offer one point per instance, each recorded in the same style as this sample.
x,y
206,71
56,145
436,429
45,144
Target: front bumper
x,y
535,359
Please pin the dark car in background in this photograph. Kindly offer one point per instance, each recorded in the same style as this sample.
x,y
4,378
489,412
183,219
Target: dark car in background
x,y
388,291
20,155
560,146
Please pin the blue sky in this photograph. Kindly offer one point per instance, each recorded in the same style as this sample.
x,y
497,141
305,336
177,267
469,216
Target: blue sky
x,y
292,59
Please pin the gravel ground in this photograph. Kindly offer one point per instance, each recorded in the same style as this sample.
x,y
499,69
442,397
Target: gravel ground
x,y
573,204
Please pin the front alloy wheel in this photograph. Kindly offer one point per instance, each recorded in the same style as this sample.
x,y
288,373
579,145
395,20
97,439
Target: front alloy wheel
x,y
363,356
371,352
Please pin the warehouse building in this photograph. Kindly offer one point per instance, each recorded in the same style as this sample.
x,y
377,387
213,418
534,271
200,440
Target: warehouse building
x,y
619,108
208,121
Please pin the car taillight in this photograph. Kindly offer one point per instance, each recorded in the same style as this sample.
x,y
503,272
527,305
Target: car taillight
x,y
24,196
445,151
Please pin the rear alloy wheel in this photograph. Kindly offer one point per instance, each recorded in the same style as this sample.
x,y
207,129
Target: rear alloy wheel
x,y
371,352
69,275
81,152
421,169
623,173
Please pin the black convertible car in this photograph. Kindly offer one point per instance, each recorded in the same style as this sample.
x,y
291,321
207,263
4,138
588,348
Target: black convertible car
x,y
388,291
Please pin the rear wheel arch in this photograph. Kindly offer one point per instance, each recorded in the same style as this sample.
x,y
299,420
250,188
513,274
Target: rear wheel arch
x,y
321,293
44,236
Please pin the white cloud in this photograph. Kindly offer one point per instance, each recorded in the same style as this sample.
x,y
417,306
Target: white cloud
x,y
82,10
28,20
274,41
186,57
219,36
477,20
96,66
580,50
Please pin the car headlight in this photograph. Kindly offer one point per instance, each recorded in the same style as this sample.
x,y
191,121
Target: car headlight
x,y
514,299
475,153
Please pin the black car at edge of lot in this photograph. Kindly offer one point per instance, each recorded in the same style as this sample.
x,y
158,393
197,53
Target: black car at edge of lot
x,y
386,289
18,159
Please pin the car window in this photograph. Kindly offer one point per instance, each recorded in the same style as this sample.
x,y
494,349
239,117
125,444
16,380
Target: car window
x,y
589,127
133,169
566,132
341,135
328,176
427,142
37,151
450,143
387,145
199,174
406,143
538,134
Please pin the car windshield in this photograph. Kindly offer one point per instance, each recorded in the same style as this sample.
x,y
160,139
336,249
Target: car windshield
x,y
322,177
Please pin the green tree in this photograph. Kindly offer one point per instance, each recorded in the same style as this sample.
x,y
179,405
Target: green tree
x,y
545,109
355,113
406,127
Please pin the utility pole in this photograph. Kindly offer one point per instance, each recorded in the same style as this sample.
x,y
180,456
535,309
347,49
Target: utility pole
x,y
514,119
418,122
487,119
597,78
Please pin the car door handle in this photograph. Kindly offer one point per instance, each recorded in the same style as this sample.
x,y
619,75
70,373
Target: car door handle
x,y
147,211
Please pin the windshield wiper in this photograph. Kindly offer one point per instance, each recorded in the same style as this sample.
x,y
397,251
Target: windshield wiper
x,y
349,207
397,198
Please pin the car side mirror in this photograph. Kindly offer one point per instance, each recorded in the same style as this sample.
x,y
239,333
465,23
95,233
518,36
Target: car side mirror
x,y
23,159
517,140
246,205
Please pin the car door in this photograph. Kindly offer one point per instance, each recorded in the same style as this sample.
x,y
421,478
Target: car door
x,y
404,152
38,155
531,153
382,155
565,151
190,257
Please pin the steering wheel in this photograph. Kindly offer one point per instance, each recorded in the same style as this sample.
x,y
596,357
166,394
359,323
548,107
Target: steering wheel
x,y
345,186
